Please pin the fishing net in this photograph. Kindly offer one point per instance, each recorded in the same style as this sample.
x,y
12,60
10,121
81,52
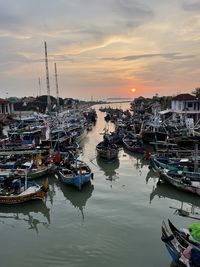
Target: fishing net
x,y
195,231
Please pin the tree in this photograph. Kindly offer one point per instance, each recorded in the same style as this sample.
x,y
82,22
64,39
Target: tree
x,y
196,92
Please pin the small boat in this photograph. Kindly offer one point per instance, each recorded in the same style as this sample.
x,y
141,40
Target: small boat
x,y
171,245
76,173
133,143
173,164
15,191
179,246
181,181
40,171
184,236
107,151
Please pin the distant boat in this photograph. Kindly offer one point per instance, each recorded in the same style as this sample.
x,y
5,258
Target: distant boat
x,y
76,173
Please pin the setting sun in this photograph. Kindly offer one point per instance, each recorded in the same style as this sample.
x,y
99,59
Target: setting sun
x,y
133,90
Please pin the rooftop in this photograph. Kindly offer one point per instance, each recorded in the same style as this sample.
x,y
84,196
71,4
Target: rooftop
x,y
182,97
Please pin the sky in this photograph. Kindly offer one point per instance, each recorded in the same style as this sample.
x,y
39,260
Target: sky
x,y
102,48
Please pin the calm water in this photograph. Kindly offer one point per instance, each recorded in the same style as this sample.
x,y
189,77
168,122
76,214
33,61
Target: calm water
x,y
115,221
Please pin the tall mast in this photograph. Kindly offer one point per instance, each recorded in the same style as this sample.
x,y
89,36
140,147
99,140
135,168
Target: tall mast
x,y
57,91
39,86
47,81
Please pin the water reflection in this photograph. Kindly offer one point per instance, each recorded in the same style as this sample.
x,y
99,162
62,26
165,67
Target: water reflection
x,y
139,161
27,212
77,198
189,203
109,168
151,175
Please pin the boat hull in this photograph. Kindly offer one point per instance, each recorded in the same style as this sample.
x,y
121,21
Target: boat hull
x,y
39,194
107,154
179,183
75,180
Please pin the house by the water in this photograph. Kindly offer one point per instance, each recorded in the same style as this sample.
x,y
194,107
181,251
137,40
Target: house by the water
x,y
184,107
6,107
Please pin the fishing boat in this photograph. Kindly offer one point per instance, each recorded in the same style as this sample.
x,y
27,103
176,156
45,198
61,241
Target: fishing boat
x,y
107,151
180,246
15,191
40,171
76,173
181,181
133,143
171,245
186,235
152,130
173,164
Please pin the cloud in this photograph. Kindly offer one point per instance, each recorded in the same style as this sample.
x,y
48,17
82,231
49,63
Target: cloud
x,y
133,10
146,56
193,7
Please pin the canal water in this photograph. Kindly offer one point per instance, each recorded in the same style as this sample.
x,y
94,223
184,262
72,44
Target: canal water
x,y
114,221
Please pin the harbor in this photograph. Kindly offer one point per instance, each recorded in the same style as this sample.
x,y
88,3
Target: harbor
x,y
114,220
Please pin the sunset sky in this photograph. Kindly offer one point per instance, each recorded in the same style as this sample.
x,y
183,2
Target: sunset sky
x,y
102,48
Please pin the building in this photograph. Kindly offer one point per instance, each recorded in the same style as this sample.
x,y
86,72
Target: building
x,y
184,108
6,107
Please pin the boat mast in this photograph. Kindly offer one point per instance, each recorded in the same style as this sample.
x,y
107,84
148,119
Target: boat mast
x,y
39,86
57,91
47,81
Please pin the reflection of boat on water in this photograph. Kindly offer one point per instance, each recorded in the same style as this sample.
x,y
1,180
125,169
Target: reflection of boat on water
x,y
27,213
109,168
166,191
189,204
140,158
140,161
151,174
77,198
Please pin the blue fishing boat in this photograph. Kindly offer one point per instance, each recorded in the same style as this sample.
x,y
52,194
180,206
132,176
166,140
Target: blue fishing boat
x,y
181,244
76,173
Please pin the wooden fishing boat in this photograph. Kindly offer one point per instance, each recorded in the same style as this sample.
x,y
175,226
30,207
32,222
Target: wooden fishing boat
x,y
171,245
76,173
133,143
179,246
16,192
40,172
107,151
173,164
181,181
16,169
183,235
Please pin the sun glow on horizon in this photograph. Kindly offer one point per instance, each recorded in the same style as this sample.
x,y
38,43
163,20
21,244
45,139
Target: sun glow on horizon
x,y
133,90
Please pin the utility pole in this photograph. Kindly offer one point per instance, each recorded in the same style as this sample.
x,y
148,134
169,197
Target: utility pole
x,y
57,91
47,81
